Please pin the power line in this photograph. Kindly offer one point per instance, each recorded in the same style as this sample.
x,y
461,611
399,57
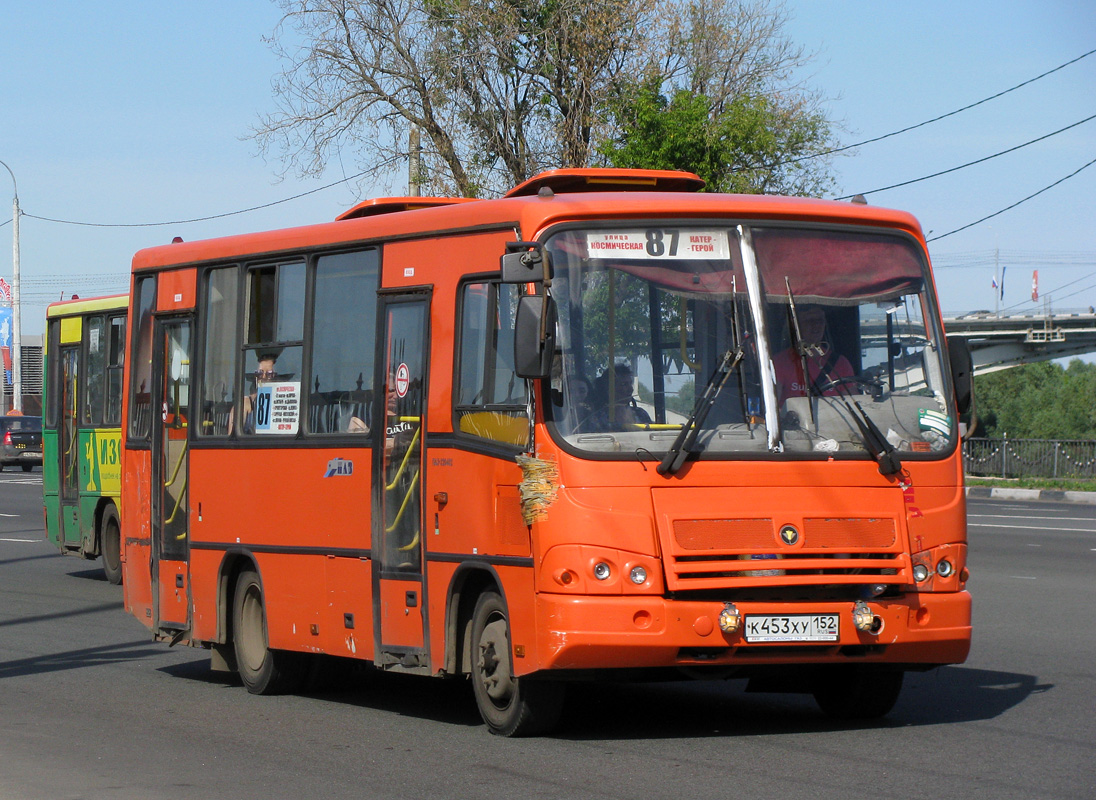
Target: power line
x,y
970,163
934,119
195,219
1018,202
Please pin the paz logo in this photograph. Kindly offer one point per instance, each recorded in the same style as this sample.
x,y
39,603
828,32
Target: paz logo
x,y
339,466
789,535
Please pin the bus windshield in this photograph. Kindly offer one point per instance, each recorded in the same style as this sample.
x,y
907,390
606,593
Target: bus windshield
x,y
788,339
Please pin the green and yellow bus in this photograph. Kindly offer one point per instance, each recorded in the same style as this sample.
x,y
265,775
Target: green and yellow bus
x,y
81,434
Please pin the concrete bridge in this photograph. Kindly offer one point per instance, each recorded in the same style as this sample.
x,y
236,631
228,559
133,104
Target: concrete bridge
x,y
1000,342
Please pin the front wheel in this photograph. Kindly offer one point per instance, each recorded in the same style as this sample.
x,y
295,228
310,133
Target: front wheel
x,y
859,692
262,670
510,706
110,546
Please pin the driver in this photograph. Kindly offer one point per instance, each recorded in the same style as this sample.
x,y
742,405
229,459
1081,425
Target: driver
x,y
824,364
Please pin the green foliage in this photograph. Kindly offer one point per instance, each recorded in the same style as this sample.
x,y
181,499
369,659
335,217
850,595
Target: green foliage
x,y
748,146
1038,401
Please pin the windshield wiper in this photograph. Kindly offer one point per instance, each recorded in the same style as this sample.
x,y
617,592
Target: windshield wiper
x,y
683,444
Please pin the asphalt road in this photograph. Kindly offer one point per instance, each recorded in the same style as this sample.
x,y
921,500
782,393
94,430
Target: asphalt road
x,y
90,707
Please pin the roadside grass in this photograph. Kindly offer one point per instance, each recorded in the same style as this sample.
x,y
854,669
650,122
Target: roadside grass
x,y
1062,484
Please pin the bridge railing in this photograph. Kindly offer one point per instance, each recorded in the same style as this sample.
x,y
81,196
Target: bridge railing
x,y
1030,458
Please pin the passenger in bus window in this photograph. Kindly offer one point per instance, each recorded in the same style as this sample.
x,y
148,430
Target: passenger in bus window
x,y
264,373
617,409
824,364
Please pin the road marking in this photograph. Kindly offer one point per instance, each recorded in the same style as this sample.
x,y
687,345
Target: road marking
x,y
24,541
1013,516
9,515
1023,577
1030,527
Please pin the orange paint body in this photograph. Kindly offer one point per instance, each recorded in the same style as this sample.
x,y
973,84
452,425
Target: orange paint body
x,y
306,510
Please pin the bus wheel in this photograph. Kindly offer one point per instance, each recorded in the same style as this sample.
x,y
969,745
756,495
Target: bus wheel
x,y
110,545
262,670
510,706
860,692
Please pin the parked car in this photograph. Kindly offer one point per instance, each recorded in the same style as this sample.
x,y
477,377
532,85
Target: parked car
x,y
21,442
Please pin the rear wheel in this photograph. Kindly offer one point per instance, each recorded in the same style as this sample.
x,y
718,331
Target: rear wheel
x,y
262,670
27,467
858,692
110,545
509,705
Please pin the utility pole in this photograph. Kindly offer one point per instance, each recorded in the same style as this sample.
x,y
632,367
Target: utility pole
x,y
16,333
414,164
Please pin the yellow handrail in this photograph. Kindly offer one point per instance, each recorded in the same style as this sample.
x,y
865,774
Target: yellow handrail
x,y
681,327
406,456
403,507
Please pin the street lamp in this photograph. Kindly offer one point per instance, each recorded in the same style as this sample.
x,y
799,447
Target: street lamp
x,y
16,334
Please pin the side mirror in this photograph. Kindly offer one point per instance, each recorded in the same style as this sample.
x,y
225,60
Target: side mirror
x,y
962,373
525,262
534,336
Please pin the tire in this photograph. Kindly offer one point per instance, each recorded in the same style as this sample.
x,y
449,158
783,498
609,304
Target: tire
x,y
510,706
110,545
859,692
262,670
27,467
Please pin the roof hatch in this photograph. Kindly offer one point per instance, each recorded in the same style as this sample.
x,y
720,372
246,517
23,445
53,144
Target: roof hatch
x,y
609,180
391,205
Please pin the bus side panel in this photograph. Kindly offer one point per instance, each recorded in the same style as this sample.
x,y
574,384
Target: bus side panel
x,y
137,534
304,508
50,497
479,522
348,624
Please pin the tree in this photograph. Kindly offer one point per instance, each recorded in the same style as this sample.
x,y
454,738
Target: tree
x,y
1038,401
750,145
503,89
724,105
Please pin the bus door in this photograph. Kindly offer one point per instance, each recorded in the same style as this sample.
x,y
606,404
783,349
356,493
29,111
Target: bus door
x,y
68,448
399,616
170,456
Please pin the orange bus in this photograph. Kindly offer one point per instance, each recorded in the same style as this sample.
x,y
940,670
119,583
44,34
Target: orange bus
x,y
603,425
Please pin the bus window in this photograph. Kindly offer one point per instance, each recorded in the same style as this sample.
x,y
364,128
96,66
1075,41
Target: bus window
x,y
219,334
115,362
343,332
271,388
491,399
140,384
92,407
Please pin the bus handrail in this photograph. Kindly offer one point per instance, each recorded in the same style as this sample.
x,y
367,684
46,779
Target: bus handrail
x,y
403,507
693,365
406,456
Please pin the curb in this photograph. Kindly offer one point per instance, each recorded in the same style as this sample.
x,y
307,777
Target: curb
x,y
1055,495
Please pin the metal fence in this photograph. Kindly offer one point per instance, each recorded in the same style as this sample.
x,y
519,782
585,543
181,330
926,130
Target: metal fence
x,y
1030,458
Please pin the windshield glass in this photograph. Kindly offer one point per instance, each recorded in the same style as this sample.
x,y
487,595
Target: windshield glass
x,y
826,328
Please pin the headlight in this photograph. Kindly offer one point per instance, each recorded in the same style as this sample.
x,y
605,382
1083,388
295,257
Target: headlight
x,y
920,572
730,619
602,571
944,568
638,576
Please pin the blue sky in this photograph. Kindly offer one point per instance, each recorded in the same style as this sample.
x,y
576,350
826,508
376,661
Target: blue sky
x,y
138,112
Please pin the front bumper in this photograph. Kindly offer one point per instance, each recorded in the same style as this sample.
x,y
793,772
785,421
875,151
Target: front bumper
x,y
598,632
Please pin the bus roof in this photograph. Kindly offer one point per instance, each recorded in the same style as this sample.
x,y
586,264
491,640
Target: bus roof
x,y
81,305
528,210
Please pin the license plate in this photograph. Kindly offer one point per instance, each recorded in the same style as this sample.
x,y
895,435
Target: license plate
x,y
792,628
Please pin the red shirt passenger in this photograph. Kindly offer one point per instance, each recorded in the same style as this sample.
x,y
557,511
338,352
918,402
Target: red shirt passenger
x,y
822,363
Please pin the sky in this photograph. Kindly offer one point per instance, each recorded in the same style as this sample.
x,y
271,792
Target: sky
x,y
118,115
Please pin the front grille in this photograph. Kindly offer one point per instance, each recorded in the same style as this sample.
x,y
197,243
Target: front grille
x,y
729,553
